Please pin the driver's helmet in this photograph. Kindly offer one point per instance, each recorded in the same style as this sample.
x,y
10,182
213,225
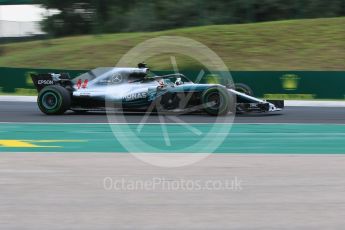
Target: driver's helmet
x,y
178,81
161,82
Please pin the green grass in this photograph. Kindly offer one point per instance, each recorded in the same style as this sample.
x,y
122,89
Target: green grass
x,y
313,44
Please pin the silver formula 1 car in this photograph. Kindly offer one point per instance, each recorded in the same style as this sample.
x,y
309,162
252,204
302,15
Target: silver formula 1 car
x,y
140,90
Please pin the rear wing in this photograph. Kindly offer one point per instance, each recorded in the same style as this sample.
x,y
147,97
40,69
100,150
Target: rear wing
x,y
46,79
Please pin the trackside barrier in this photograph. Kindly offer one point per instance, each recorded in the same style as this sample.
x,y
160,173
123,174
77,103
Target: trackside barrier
x,y
302,85
265,84
18,80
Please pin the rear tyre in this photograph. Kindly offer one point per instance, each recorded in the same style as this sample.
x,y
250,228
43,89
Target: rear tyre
x,y
216,101
243,88
54,100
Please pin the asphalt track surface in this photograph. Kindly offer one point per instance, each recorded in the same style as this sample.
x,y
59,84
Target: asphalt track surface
x,y
29,112
69,191
53,190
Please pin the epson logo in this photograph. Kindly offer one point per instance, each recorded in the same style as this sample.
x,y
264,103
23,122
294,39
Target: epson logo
x,y
45,82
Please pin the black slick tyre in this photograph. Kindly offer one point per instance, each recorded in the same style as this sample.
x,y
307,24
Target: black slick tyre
x,y
54,100
216,101
243,88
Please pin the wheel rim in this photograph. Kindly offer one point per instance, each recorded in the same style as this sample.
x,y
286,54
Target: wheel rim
x,y
49,100
216,98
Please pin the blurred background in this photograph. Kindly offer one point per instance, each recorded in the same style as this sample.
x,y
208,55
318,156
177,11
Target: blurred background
x,y
226,26
121,25
112,16
288,37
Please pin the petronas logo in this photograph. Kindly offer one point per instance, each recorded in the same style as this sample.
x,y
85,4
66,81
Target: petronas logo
x,y
290,81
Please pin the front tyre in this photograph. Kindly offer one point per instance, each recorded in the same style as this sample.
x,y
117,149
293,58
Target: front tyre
x,y
216,101
54,100
243,88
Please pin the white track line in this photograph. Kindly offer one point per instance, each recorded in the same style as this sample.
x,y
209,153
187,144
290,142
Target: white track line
x,y
315,103
230,154
155,123
18,98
